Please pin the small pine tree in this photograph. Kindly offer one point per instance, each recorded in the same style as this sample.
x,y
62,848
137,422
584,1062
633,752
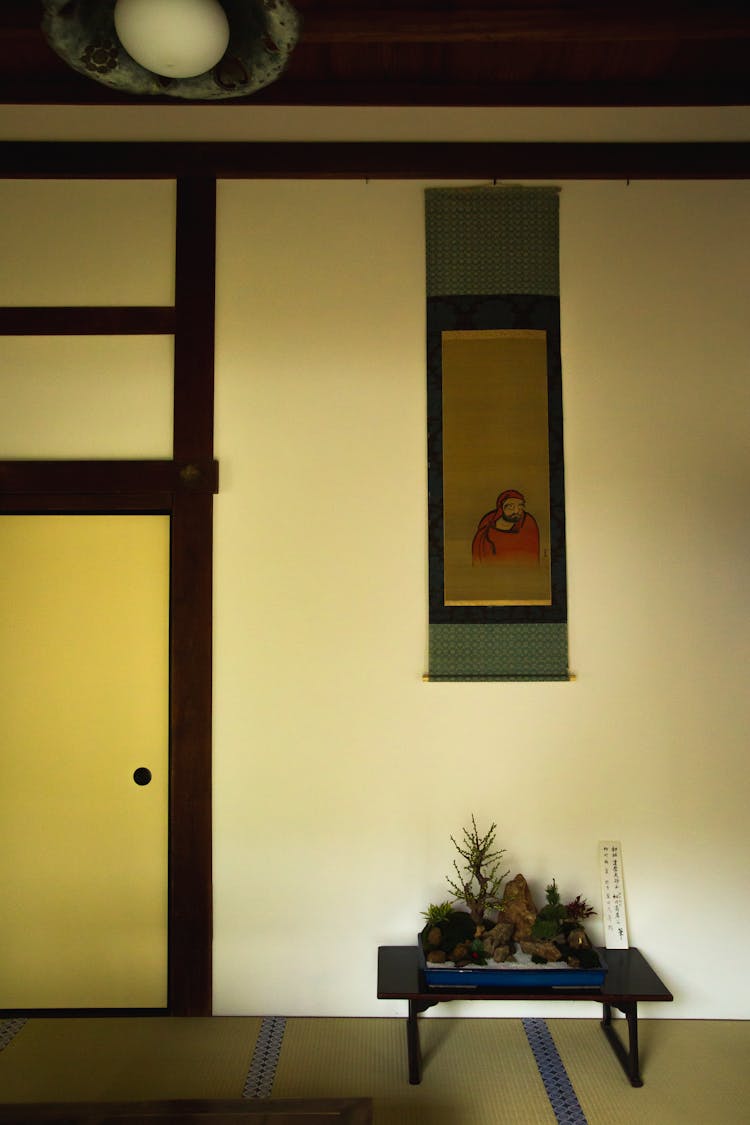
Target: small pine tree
x,y
478,885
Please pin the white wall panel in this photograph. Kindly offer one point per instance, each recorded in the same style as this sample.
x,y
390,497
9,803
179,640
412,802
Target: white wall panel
x,y
87,242
339,774
86,396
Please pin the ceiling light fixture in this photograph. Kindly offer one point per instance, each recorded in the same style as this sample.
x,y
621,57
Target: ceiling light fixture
x,y
174,38
202,50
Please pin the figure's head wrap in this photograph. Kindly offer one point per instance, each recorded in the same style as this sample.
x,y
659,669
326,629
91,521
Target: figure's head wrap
x,y
509,494
493,516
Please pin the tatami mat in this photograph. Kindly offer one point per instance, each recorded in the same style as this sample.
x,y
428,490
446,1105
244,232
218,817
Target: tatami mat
x,y
695,1072
476,1072
127,1059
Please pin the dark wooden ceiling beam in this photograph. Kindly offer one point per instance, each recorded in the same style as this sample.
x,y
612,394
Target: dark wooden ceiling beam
x,y
381,22
462,53
399,92
372,24
375,160
454,92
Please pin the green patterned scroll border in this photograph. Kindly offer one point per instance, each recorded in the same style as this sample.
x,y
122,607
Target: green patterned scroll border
x,y
489,242
480,651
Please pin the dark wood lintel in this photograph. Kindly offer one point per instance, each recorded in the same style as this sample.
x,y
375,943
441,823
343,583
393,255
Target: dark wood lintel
x,y
85,503
554,93
87,321
164,478
375,160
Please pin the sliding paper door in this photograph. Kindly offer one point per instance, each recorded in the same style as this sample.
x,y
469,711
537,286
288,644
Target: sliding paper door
x,y
84,668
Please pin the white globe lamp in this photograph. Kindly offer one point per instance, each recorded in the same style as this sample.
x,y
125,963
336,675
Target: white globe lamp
x,y
174,38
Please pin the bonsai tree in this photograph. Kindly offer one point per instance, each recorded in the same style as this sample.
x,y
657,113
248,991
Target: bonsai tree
x,y
550,918
562,923
478,883
557,918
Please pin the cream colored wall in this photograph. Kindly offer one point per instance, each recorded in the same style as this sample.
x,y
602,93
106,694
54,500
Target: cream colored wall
x,y
339,775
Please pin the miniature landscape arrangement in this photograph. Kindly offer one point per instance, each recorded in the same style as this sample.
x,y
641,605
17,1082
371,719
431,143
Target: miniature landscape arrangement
x,y
488,925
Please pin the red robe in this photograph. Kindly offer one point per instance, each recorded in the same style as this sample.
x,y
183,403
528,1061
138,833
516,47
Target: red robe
x,y
518,546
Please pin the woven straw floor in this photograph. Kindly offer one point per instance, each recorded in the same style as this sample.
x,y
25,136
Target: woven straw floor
x,y
476,1071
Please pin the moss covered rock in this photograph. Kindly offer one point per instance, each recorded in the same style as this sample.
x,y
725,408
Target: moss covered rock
x,y
457,929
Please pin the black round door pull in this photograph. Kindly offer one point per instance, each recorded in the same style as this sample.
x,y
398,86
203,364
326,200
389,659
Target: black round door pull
x,y
142,776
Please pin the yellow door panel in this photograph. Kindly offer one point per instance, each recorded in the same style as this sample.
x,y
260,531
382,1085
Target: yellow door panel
x,y
84,669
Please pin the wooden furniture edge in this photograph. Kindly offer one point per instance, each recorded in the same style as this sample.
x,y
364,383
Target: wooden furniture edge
x,y
316,1111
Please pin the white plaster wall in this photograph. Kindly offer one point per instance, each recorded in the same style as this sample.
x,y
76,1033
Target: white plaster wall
x,y
340,775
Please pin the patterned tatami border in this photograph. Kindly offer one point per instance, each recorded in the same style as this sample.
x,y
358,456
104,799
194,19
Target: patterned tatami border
x,y
9,1029
262,1072
556,1082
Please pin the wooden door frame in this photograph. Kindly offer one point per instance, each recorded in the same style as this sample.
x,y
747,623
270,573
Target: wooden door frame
x,y
183,488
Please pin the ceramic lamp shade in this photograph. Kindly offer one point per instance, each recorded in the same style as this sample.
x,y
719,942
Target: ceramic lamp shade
x,y
175,38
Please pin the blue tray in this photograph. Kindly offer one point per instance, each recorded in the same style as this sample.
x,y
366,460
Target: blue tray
x,y
493,976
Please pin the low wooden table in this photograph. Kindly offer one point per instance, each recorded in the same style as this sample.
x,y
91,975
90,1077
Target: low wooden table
x,y
629,979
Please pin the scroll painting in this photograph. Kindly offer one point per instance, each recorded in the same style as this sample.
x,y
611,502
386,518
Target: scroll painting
x,y
496,490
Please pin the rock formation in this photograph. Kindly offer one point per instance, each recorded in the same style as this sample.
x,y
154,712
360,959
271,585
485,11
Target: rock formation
x,y
496,939
544,950
518,908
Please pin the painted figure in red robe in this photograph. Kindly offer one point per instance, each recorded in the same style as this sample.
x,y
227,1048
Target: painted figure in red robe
x,y
508,535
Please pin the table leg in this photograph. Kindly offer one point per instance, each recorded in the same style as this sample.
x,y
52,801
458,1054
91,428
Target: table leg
x,y
413,1045
412,1038
628,1059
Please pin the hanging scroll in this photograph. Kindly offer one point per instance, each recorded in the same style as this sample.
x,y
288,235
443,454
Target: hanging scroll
x,y
498,605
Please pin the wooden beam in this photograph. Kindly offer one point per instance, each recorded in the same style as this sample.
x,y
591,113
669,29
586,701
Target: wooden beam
x,y
191,889
190,850
195,271
402,89
589,24
108,478
326,22
441,160
84,503
91,321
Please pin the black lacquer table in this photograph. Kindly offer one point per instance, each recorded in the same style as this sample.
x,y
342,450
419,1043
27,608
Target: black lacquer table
x,y
629,979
